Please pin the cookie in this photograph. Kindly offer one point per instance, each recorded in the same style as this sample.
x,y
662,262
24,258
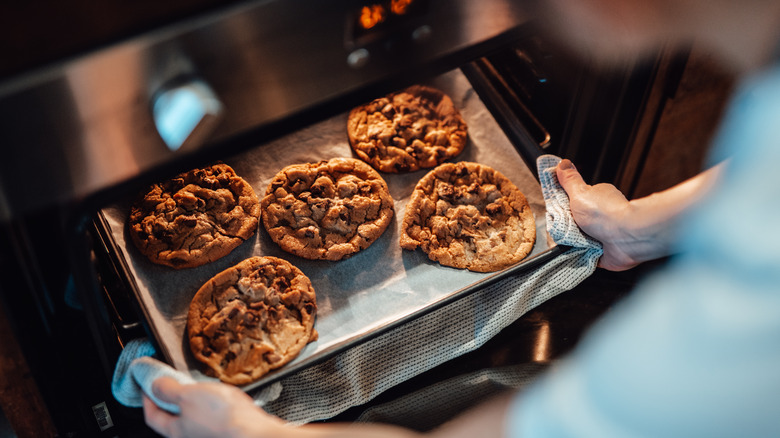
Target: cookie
x,y
194,218
251,318
416,128
327,210
469,216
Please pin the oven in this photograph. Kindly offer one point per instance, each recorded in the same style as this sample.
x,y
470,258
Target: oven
x,y
89,119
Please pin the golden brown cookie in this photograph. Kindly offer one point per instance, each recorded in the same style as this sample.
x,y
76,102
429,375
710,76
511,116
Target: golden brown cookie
x,y
194,218
327,210
413,129
467,215
251,318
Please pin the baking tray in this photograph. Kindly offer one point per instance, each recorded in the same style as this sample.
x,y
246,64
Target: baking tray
x,y
357,298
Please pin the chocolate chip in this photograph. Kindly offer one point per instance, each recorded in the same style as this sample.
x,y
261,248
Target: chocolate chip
x,y
194,175
211,182
493,209
272,357
189,221
172,185
401,167
281,283
446,191
223,179
250,319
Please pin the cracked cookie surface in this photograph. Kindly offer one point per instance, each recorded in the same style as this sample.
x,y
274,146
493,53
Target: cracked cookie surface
x,y
251,318
194,218
327,210
469,216
418,127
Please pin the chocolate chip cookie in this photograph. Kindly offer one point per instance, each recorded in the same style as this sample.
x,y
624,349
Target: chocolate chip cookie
x,y
418,127
251,318
467,215
327,210
194,218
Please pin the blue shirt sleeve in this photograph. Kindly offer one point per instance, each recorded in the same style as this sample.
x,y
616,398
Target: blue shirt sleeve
x,y
695,350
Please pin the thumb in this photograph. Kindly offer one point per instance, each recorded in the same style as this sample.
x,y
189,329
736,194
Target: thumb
x,y
569,178
167,390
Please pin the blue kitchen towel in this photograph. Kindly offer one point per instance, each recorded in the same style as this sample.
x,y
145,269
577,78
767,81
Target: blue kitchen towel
x,y
560,222
135,371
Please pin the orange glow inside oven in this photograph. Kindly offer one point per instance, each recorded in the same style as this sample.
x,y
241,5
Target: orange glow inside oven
x,y
399,7
372,15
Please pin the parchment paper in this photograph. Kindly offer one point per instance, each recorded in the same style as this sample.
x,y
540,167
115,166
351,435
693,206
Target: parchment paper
x,y
356,296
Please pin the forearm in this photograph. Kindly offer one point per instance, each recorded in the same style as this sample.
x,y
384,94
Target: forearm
x,y
636,231
484,421
487,420
649,222
220,410
349,430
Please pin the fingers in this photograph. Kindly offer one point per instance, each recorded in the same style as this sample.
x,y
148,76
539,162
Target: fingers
x,y
569,178
159,420
167,390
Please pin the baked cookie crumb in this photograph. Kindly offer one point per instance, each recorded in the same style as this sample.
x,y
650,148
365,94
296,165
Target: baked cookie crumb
x,y
416,128
195,217
327,210
252,318
469,216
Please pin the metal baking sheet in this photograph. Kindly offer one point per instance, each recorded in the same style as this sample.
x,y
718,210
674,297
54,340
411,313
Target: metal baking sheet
x,y
359,297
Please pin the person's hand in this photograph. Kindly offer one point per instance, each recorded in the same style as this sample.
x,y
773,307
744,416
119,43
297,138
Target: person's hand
x,y
601,212
631,231
218,410
207,410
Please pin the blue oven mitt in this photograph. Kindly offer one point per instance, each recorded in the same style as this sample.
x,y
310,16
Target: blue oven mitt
x,y
135,371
